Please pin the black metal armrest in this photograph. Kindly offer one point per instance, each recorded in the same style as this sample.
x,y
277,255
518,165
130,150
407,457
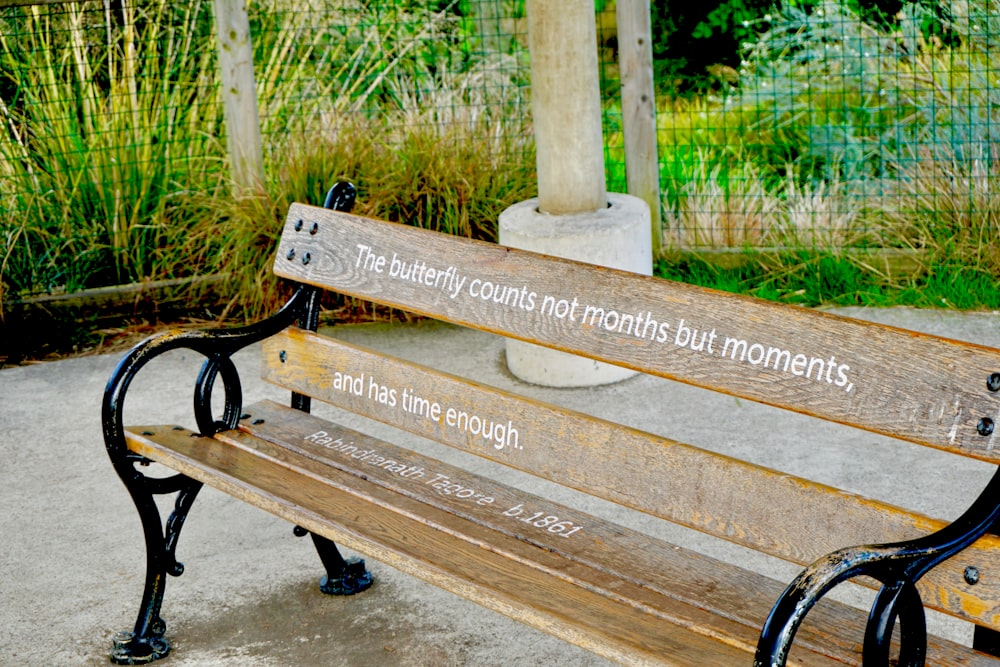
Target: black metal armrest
x,y
897,567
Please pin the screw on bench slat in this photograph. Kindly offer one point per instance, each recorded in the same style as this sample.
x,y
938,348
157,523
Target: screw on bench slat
x,y
291,253
314,228
306,258
993,382
283,356
972,575
985,426
298,225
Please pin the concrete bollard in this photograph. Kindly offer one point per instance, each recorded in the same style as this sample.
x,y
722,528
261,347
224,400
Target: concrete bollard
x,y
616,236
573,217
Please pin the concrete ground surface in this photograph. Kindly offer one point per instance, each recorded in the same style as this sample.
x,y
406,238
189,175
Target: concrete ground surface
x,y
72,559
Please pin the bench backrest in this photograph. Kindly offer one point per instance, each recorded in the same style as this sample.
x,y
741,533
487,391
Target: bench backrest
x,y
927,390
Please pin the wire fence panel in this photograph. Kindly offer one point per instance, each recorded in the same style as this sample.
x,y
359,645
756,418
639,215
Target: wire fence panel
x,y
838,124
448,65
817,124
105,111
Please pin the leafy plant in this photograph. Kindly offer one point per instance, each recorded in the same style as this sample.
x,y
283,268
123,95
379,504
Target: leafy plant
x,y
846,131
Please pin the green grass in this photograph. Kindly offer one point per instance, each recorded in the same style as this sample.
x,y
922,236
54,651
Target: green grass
x,y
102,139
811,279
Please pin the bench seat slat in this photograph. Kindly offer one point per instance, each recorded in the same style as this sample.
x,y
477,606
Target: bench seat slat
x,y
902,384
405,522
430,544
790,518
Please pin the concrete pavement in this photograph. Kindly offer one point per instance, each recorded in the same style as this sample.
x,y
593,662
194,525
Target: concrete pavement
x,y
72,558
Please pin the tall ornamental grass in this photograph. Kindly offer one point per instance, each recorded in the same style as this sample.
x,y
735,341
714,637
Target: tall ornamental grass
x,y
112,149
108,120
396,97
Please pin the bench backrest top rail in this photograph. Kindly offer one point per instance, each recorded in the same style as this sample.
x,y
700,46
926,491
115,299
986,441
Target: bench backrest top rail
x,y
913,386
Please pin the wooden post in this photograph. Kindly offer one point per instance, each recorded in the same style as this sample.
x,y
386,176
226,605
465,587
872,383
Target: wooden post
x,y
635,57
239,95
566,106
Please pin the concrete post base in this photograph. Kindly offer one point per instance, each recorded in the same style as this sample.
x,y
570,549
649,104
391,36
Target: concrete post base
x,y
616,236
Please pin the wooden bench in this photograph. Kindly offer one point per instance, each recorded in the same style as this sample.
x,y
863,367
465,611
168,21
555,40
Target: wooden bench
x,y
613,590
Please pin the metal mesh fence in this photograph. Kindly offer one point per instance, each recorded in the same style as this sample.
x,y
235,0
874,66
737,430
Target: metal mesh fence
x,y
106,111
828,123
398,65
835,124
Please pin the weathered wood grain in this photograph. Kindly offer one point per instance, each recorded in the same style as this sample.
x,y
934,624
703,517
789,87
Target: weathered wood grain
x,y
903,384
765,510
701,582
677,598
239,96
438,548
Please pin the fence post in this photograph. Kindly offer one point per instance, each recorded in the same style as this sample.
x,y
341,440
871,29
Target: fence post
x,y
239,96
635,58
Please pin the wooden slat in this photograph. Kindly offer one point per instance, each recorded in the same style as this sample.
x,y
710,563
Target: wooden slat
x,y
694,579
636,574
429,544
903,384
791,518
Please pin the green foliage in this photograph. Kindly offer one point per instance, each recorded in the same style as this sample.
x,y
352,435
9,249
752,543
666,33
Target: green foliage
x,y
103,126
697,47
840,280
735,18
112,154
694,44
846,129
359,55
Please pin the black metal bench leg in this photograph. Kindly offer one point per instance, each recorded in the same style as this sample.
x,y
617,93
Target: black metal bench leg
x,y
343,576
986,640
146,643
